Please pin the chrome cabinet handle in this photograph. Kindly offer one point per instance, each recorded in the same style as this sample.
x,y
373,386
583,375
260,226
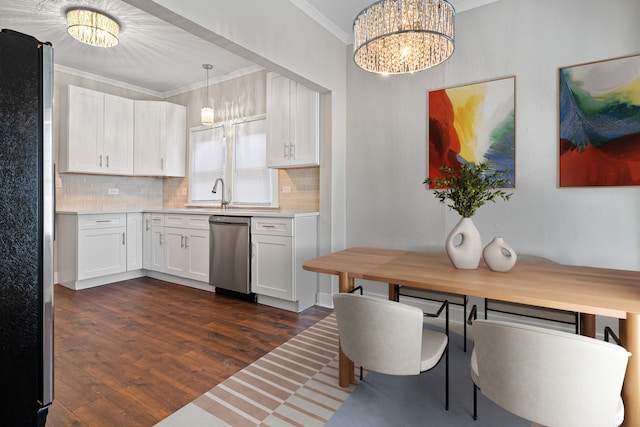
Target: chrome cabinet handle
x,y
182,241
102,220
285,151
292,151
186,242
160,238
107,160
146,224
124,240
100,161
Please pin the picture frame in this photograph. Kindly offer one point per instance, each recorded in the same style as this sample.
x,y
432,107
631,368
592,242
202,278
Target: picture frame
x,y
599,123
473,123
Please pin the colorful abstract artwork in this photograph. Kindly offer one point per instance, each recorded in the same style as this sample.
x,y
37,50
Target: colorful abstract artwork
x,y
600,123
473,124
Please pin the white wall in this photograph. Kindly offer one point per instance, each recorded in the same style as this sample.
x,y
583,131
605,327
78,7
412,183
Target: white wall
x,y
387,204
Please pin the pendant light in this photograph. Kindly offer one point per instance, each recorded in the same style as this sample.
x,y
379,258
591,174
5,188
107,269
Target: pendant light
x,y
206,112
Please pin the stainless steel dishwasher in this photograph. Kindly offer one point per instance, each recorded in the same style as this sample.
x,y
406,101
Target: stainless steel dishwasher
x,y
229,255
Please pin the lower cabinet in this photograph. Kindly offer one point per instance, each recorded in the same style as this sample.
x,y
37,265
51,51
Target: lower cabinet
x,y
153,238
279,246
180,246
92,247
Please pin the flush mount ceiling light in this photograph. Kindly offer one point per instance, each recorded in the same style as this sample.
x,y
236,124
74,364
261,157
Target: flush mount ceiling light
x,y
403,36
206,113
92,27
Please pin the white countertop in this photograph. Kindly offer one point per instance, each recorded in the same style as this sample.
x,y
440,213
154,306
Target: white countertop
x,y
199,211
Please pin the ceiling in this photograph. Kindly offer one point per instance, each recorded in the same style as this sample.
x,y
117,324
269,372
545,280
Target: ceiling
x,y
153,56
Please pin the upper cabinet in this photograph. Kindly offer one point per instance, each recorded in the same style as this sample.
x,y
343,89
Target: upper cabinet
x,y
97,136
160,139
107,134
292,123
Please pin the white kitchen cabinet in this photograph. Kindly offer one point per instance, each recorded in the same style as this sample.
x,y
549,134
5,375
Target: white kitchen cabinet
x,y
135,227
102,245
279,246
187,249
159,139
92,249
97,136
146,241
292,123
157,243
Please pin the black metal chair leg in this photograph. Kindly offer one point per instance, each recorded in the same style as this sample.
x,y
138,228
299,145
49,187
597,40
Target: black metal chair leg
x,y
475,402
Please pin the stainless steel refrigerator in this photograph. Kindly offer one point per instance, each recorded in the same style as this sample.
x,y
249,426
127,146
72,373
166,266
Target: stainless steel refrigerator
x,y
26,229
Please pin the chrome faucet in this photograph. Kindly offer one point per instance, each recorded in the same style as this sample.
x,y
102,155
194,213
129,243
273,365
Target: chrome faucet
x,y
223,202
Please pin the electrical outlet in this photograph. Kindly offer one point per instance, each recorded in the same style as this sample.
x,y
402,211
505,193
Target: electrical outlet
x,y
184,191
113,191
286,189
58,182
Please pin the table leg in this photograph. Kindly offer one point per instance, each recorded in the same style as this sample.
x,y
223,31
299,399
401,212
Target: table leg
x,y
630,337
394,292
588,325
345,366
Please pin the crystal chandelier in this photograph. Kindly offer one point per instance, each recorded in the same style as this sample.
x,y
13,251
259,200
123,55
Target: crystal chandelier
x,y
206,112
403,36
92,27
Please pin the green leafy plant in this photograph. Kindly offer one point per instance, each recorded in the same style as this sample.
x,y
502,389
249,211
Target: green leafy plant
x,y
471,188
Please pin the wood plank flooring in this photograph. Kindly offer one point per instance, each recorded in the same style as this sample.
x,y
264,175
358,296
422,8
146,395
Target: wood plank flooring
x,y
133,352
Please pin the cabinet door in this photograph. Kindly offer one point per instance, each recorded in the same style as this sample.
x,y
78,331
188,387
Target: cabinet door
x,y
118,135
305,145
85,130
101,252
148,136
278,120
134,241
157,248
175,251
272,266
197,247
175,140
146,241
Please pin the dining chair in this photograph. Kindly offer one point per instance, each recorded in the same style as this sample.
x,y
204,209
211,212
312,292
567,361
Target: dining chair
x,y
389,337
548,377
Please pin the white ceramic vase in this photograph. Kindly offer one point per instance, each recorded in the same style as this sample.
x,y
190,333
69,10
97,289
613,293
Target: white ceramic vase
x,y
466,252
499,256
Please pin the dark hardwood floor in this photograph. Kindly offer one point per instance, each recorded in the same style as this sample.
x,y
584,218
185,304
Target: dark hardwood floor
x,y
131,353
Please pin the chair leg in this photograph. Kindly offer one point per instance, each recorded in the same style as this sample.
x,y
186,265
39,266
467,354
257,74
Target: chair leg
x,y
475,402
464,324
446,404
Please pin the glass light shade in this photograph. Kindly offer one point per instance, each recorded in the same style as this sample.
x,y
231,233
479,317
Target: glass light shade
x,y
206,116
92,28
403,36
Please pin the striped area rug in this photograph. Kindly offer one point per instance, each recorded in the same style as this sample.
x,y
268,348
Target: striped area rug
x,y
296,384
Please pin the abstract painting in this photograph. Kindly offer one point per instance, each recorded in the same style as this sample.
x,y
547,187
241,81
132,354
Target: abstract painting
x,y
474,123
600,123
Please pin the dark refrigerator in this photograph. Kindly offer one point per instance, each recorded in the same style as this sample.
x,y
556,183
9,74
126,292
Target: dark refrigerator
x,y
26,229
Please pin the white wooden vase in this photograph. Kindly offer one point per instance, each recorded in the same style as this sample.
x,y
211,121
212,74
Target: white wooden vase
x,y
464,254
499,256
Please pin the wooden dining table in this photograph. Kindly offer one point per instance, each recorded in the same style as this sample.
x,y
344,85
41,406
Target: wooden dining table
x,y
587,290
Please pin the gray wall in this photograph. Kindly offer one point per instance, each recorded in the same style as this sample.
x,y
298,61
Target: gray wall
x,y
387,204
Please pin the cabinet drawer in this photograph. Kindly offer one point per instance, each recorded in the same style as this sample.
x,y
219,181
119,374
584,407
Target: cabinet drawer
x,y
157,220
171,220
86,222
197,222
272,226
